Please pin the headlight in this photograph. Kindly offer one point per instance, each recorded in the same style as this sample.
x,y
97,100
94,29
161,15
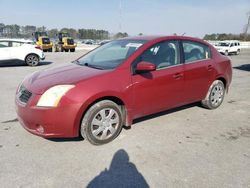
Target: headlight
x,y
52,96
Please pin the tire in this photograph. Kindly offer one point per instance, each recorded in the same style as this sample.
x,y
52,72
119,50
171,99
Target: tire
x,y
215,95
61,49
102,123
32,60
66,50
72,50
226,53
50,50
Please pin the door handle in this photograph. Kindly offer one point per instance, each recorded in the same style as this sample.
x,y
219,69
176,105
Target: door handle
x,y
209,67
178,75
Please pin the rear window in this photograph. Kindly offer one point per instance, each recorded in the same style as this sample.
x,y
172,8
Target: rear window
x,y
195,51
16,44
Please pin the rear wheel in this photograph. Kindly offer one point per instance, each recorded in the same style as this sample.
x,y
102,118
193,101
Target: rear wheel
x,y
102,123
50,49
215,95
32,60
66,50
72,50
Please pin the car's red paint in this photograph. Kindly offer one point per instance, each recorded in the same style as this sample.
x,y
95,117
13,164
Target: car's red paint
x,y
141,94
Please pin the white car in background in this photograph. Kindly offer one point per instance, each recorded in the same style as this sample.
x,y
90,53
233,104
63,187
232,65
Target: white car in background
x,y
20,49
228,47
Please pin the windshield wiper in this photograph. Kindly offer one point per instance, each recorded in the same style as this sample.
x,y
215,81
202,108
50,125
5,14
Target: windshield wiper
x,y
75,61
93,66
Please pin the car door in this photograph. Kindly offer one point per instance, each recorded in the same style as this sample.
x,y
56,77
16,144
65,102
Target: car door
x,y
198,68
160,89
16,51
4,50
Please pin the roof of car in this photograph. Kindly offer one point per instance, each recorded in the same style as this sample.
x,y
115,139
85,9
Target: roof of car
x,y
155,37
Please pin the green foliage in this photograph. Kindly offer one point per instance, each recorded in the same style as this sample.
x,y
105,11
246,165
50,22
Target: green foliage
x,y
224,36
93,34
120,35
14,31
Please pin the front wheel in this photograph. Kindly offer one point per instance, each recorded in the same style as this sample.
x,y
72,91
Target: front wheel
x,y
238,52
32,60
215,95
102,123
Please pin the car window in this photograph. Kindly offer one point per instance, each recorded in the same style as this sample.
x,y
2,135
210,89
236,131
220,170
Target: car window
x,y
16,44
4,44
163,54
194,51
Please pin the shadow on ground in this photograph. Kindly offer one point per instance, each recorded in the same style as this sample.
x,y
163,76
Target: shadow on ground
x,y
76,139
245,67
163,113
21,63
121,173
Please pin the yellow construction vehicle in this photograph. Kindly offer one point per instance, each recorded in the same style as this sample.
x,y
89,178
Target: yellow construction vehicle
x,y
43,41
65,43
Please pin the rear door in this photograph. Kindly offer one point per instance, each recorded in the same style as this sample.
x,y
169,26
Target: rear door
x,y
198,70
160,89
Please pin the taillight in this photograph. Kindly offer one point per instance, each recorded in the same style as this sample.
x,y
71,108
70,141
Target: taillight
x,y
38,47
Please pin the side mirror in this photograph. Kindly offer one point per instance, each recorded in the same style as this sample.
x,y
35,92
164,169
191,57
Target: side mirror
x,y
144,66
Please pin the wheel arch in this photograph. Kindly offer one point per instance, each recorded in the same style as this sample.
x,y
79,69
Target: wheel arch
x,y
221,78
114,99
32,53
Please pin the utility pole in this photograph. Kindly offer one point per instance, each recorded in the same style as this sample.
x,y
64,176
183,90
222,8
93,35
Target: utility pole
x,y
247,26
120,16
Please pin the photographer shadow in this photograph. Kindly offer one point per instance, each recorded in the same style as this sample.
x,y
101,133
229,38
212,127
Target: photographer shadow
x,y
122,173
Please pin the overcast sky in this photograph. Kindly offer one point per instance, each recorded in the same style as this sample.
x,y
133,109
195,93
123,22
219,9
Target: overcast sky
x,y
193,17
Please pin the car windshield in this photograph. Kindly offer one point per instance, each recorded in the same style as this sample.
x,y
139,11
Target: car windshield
x,y
110,55
223,44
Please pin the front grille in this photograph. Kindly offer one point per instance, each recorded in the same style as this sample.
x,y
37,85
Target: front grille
x,y
24,94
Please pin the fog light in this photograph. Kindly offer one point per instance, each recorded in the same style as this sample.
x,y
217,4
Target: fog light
x,y
40,128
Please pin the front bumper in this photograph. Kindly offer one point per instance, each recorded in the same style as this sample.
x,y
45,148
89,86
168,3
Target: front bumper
x,y
46,46
69,46
46,122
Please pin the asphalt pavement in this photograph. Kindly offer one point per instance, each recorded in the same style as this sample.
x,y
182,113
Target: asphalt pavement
x,y
186,147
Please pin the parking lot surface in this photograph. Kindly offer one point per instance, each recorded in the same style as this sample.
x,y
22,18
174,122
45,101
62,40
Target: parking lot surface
x,y
186,147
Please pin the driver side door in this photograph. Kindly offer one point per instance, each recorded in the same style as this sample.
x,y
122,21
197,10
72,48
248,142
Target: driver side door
x,y
160,89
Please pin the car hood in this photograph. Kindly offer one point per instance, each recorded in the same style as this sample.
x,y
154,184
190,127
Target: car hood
x,y
40,81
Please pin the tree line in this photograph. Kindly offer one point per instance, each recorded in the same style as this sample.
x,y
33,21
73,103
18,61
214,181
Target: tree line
x,y
225,36
17,31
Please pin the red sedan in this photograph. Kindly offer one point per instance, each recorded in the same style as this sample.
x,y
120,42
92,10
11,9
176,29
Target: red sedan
x,y
120,81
